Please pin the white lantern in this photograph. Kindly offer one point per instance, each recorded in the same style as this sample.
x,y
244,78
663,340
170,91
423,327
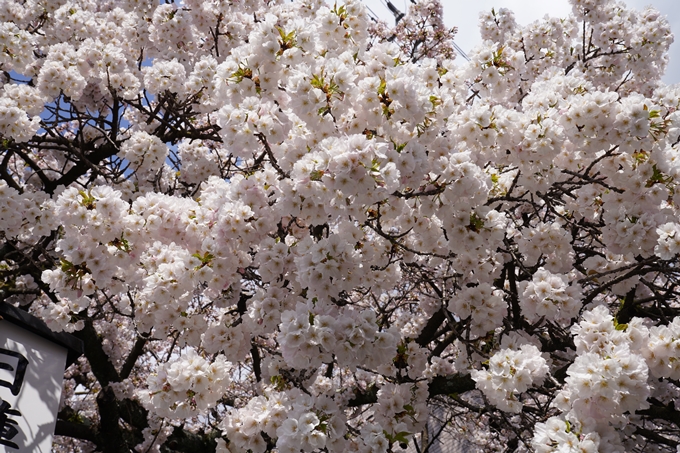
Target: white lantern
x,y
32,363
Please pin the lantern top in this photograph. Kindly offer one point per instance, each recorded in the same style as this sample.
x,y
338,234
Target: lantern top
x,y
21,318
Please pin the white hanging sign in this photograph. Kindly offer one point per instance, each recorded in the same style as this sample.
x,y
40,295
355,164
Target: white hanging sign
x,y
31,377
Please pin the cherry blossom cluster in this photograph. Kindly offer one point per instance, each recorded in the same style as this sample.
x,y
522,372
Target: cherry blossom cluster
x,y
282,228
198,162
227,337
146,154
155,435
297,420
661,351
419,31
19,45
511,372
482,305
668,242
261,414
402,409
19,210
550,296
309,337
606,383
19,109
556,433
165,76
548,241
186,386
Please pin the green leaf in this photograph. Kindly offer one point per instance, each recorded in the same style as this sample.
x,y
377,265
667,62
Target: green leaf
x,y
205,259
399,437
121,243
88,201
279,382
66,266
476,223
399,147
382,87
318,81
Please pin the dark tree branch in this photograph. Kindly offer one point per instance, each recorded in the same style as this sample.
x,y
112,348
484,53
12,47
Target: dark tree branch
x,y
137,350
440,385
102,367
184,441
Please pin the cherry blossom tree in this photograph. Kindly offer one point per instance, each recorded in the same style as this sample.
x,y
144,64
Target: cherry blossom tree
x,y
279,227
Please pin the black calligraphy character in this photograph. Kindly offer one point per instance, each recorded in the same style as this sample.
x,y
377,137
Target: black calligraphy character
x,y
8,427
18,375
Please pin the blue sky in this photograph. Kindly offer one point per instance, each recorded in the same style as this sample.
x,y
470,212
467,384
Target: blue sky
x,y
465,15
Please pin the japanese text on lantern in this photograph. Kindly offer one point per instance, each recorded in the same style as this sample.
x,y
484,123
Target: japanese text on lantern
x,y
8,426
